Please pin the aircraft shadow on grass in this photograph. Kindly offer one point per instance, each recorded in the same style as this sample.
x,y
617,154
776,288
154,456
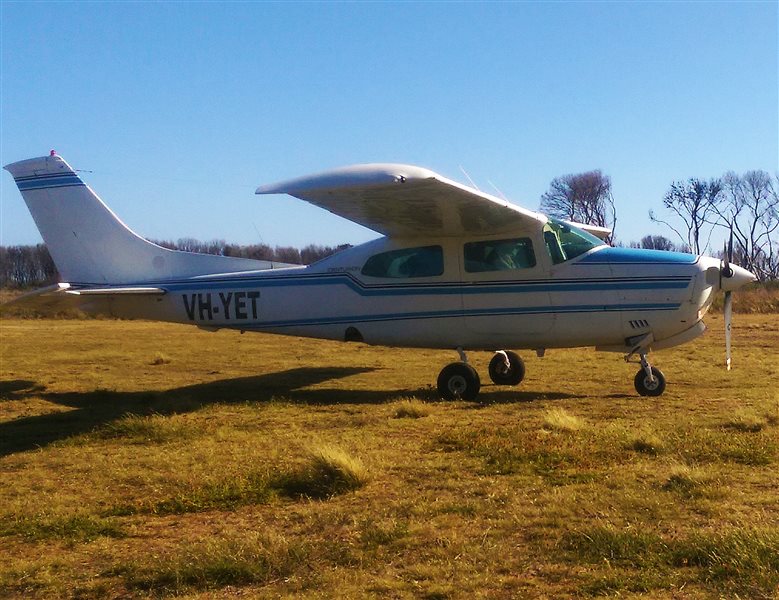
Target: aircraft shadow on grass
x,y
97,408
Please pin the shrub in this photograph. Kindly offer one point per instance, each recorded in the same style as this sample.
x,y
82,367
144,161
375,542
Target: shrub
x,y
411,408
330,471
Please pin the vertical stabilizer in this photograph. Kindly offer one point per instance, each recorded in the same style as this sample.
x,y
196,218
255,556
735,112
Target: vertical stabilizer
x,y
90,244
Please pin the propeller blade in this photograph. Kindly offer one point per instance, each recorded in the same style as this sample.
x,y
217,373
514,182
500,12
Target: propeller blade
x,y
728,318
725,270
730,245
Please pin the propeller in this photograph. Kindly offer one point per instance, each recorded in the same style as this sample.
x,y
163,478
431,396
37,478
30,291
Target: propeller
x,y
727,272
731,278
728,308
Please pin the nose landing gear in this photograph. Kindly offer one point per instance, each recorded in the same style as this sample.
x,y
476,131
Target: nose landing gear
x,y
649,380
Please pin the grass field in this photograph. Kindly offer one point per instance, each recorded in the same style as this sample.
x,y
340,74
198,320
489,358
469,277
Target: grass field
x,y
142,459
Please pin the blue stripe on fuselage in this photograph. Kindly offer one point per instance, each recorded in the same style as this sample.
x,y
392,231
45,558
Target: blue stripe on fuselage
x,y
635,256
487,312
434,289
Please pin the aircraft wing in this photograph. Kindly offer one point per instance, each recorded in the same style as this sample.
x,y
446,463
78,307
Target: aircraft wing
x,y
406,201
599,232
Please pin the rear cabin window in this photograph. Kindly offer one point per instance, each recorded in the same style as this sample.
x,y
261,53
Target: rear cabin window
x,y
426,261
499,255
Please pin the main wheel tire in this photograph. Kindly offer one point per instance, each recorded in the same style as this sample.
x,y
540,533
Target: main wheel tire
x,y
458,380
511,375
645,387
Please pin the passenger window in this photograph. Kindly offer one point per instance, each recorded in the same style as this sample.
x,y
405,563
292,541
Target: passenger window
x,y
499,255
427,261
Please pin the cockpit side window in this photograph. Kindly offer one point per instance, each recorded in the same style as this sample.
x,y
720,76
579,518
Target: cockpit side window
x,y
499,255
564,242
425,261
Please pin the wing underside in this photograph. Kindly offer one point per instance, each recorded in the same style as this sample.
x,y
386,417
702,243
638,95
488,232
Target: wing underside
x,y
407,201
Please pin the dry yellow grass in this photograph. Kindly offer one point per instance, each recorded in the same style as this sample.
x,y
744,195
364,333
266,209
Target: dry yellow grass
x,y
123,478
558,419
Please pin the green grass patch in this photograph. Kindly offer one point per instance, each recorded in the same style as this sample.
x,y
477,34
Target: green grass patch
x,y
629,547
717,445
226,494
688,482
559,458
237,561
147,429
746,422
741,561
745,561
374,535
647,443
329,471
70,528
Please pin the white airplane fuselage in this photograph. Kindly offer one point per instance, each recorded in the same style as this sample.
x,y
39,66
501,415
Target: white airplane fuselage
x,y
598,299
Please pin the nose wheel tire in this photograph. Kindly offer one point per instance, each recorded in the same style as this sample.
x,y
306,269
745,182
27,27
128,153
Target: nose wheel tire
x,y
648,387
503,374
458,381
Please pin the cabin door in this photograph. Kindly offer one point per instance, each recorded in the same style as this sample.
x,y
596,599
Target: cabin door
x,y
506,299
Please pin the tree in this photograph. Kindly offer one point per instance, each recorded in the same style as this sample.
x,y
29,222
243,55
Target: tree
x,y
583,198
23,266
656,242
695,203
751,211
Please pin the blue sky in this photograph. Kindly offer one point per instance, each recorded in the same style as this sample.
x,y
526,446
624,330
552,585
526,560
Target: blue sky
x,y
179,110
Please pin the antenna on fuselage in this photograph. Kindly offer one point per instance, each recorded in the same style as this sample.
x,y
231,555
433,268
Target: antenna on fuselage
x,y
495,187
469,177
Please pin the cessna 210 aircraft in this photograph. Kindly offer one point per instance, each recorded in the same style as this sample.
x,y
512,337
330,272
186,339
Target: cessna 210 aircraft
x,y
455,268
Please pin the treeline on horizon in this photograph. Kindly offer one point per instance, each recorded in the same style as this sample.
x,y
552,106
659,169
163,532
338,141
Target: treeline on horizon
x,y
32,266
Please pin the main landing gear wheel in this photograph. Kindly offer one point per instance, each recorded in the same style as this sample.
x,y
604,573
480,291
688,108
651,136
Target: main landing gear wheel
x,y
458,380
506,368
650,387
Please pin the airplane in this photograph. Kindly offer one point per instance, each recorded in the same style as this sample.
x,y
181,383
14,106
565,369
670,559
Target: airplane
x,y
455,268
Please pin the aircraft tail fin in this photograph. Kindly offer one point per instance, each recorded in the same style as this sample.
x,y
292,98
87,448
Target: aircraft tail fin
x,y
91,245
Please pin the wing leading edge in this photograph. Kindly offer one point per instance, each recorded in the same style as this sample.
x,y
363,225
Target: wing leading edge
x,y
406,201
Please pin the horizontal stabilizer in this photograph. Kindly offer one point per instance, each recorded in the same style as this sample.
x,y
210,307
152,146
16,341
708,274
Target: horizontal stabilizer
x,y
50,299
119,291
62,296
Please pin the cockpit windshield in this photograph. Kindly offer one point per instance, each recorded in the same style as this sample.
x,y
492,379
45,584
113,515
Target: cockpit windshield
x,y
564,242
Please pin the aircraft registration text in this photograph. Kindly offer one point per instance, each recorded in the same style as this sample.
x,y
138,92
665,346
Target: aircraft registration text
x,y
226,305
